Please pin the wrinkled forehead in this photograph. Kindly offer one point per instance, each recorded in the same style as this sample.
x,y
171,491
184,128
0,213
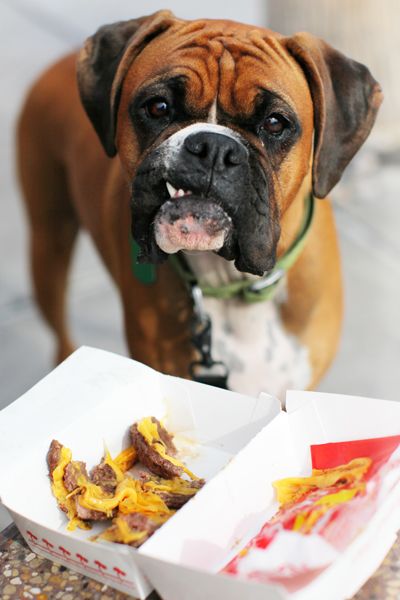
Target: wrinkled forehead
x,y
230,63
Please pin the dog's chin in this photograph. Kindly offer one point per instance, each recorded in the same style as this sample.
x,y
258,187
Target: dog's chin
x,y
191,223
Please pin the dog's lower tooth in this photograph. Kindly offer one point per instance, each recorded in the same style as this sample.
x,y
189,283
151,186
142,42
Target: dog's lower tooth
x,y
180,193
171,190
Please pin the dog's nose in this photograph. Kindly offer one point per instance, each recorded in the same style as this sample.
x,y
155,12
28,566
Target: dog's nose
x,y
215,150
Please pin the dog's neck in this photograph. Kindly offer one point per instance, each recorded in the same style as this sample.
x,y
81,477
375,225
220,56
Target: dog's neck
x,y
213,270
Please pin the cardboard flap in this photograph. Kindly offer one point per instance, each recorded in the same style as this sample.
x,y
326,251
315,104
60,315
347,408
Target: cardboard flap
x,y
74,389
263,410
214,409
181,583
340,417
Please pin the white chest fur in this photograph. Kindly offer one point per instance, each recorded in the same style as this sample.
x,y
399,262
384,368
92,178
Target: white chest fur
x,y
250,337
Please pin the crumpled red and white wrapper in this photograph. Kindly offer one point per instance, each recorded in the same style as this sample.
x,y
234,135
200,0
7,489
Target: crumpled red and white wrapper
x,y
314,526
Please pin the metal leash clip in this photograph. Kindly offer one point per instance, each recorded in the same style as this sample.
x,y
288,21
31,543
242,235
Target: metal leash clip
x,y
206,370
270,279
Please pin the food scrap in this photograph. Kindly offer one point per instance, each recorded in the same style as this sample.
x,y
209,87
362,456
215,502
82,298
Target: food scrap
x,y
156,449
137,505
321,514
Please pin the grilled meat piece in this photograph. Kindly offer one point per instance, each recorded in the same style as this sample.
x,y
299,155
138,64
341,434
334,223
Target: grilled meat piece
x,y
53,456
137,523
71,474
140,522
86,514
165,437
150,458
104,476
175,500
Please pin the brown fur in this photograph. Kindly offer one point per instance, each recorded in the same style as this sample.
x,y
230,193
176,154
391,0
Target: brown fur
x,y
68,182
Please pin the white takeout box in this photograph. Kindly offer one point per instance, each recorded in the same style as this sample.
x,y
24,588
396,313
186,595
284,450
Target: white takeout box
x,y
182,560
91,399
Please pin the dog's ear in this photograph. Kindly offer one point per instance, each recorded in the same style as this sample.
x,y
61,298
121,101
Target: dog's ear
x,y
346,99
103,63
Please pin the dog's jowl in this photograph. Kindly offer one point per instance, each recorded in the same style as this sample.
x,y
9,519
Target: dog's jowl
x,y
213,145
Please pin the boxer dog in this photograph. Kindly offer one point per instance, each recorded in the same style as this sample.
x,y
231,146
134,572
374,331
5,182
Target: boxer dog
x,y
208,135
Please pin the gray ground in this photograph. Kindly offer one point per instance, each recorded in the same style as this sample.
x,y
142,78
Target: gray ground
x,y
367,206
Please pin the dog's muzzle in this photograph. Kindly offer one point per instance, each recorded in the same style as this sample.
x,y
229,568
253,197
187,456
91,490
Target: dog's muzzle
x,y
197,192
189,221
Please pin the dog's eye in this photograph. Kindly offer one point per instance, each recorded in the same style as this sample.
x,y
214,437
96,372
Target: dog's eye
x,y
156,108
275,124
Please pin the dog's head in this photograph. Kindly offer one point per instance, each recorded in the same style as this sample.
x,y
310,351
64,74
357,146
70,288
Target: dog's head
x,y
217,125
